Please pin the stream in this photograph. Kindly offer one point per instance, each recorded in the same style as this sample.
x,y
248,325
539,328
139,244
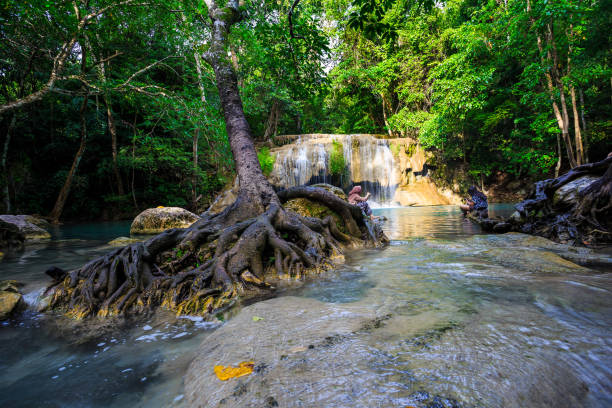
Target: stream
x,y
443,317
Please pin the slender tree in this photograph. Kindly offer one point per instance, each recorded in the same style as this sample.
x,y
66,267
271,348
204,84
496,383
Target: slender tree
x,y
203,268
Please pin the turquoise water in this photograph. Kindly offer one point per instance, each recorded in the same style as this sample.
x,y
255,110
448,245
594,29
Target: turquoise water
x,y
469,320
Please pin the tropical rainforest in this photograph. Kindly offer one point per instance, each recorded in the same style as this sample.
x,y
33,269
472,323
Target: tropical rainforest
x,y
108,107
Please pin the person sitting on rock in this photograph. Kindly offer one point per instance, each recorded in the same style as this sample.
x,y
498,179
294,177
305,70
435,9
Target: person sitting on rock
x,y
361,202
476,204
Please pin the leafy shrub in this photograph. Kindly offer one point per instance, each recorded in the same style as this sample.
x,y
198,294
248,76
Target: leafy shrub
x,y
337,163
266,160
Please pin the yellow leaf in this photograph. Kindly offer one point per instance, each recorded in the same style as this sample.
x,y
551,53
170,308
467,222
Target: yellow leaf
x,y
225,373
257,318
160,206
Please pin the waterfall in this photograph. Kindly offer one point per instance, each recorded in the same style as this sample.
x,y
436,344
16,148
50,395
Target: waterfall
x,y
368,162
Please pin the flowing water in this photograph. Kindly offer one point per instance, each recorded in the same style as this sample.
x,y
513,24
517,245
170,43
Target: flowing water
x,y
368,161
443,317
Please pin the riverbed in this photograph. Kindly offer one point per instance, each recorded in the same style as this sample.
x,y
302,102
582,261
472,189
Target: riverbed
x,y
443,317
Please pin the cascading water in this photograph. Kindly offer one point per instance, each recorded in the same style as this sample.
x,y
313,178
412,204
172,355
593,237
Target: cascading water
x,y
368,162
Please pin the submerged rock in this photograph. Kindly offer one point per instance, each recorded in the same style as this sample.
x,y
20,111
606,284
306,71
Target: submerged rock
x,y
123,241
282,369
156,220
10,298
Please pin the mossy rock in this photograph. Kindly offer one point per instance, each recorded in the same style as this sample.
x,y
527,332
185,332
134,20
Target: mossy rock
x,y
337,191
28,226
10,298
308,208
156,220
123,241
10,285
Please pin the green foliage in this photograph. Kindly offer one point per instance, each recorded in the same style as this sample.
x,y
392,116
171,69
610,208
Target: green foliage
x,y
467,79
337,164
395,149
266,160
410,149
464,78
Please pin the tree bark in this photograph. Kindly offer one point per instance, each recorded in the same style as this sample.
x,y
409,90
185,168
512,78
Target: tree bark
x,y
577,134
256,193
58,208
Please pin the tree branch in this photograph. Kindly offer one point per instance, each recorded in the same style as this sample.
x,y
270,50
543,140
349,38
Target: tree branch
x,y
290,15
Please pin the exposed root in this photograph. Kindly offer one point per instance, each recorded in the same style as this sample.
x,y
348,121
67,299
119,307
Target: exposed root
x,y
203,269
584,221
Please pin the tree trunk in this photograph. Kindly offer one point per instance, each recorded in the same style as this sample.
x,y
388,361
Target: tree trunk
x,y
202,269
235,65
384,111
256,193
558,166
58,208
113,132
194,175
272,122
577,134
584,127
551,76
5,181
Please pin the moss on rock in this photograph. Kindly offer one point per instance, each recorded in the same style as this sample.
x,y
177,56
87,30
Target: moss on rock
x,y
156,220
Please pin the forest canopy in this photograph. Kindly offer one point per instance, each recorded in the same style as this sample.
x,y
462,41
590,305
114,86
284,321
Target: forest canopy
x,y
107,107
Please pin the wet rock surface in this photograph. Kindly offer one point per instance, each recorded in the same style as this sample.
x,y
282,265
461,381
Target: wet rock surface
x,y
484,321
156,220
567,195
11,299
123,241
307,328
18,229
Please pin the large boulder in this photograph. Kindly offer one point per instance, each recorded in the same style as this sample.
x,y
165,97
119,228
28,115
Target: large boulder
x,y
22,228
567,195
156,220
10,299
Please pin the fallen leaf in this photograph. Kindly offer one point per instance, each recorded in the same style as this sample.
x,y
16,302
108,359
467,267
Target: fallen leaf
x,y
225,373
160,206
257,318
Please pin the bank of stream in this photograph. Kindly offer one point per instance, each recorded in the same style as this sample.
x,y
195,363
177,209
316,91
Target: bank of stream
x,y
443,317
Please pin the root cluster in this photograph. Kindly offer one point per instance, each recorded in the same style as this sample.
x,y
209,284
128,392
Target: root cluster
x,y
203,269
587,220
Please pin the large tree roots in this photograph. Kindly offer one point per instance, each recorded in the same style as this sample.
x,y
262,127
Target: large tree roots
x,y
583,217
207,267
